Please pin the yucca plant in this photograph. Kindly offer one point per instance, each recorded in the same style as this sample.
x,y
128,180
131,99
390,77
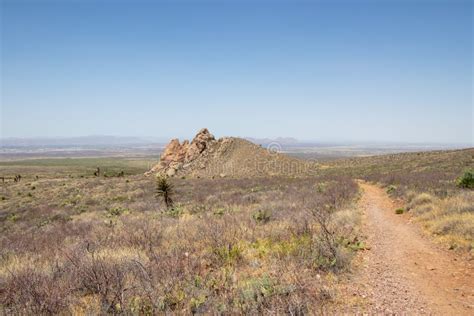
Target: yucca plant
x,y
164,190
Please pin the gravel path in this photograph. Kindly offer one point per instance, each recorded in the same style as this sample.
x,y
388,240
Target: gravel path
x,y
404,272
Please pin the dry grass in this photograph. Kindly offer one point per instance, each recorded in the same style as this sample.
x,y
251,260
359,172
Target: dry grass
x,y
107,245
451,219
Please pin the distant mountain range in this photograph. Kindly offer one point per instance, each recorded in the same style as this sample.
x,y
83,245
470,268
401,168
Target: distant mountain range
x,y
279,140
104,140
100,140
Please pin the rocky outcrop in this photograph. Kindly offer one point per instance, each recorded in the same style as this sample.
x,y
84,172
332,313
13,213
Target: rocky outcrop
x,y
202,141
177,156
206,157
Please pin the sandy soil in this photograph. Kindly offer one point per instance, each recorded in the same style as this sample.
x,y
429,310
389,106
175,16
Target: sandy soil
x,y
403,272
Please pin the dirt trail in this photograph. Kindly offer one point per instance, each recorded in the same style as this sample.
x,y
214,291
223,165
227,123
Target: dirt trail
x,y
405,273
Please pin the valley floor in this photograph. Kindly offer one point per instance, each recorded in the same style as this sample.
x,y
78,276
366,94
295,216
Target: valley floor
x,y
404,272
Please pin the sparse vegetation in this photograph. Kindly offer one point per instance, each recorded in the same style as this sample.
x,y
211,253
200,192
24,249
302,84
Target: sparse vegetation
x,y
226,245
97,245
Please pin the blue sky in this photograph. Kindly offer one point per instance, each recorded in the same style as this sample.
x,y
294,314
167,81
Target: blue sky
x,y
350,71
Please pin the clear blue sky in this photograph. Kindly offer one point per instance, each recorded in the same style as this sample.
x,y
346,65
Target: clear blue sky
x,y
354,70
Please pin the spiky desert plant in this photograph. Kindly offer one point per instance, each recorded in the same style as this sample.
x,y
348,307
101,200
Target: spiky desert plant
x,y
164,190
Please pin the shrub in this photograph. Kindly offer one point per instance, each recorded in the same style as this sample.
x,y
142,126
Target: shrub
x,y
116,211
261,216
220,211
12,217
391,189
399,211
421,199
175,211
423,209
321,187
466,180
255,292
228,254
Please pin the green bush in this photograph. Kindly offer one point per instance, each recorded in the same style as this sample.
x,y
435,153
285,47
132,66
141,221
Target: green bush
x,y
175,211
228,254
261,216
467,180
321,187
13,217
391,189
116,211
220,211
255,291
399,211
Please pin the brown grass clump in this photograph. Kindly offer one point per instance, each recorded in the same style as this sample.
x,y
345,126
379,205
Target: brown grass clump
x,y
419,200
451,219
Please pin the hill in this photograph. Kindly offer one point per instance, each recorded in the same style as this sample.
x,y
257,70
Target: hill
x,y
208,157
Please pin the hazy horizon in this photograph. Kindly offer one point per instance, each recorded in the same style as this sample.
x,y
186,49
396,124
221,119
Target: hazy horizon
x,y
349,72
165,139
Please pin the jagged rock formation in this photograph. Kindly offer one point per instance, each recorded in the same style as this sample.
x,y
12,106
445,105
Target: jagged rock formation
x,y
177,156
228,156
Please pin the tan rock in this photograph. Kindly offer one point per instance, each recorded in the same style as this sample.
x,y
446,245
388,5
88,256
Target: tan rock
x,y
200,143
171,172
176,154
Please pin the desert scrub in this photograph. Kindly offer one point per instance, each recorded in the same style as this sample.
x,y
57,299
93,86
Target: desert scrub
x,y
421,199
261,216
13,217
228,254
399,211
391,189
120,198
254,292
220,211
466,180
175,211
321,187
294,246
450,219
213,258
116,211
